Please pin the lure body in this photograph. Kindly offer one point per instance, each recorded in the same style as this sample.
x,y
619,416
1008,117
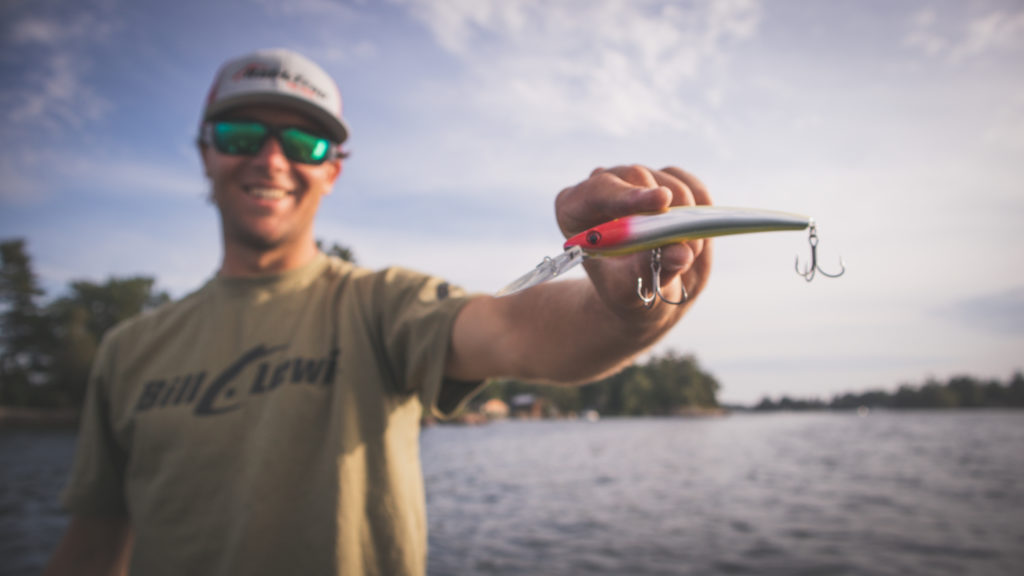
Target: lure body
x,y
646,231
652,231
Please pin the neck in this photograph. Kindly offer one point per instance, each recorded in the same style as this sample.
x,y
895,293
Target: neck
x,y
243,261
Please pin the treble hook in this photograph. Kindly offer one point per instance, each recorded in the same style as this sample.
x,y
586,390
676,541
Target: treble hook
x,y
808,273
649,300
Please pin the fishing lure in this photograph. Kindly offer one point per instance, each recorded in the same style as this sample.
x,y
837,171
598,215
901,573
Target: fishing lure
x,y
641,232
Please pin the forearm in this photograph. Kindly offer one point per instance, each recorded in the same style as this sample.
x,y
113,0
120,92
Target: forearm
x,y
561,332
584,343
93,545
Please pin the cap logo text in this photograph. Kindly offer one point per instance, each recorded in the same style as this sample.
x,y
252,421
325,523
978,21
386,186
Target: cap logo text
x,y
299,83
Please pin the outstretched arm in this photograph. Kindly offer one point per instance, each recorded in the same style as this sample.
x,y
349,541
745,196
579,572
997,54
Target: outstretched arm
x,y
580,330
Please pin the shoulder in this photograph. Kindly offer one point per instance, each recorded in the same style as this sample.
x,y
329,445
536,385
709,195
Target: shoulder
x,y
385,283
337,269
406,284
395,293
159,319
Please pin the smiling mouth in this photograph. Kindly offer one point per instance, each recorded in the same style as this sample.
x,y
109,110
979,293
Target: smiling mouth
x,y
266,193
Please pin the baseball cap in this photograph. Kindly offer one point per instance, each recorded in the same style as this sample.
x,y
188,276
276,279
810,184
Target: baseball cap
x,y
278,77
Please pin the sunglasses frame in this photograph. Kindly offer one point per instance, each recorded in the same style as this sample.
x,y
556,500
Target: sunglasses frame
x,y
206,137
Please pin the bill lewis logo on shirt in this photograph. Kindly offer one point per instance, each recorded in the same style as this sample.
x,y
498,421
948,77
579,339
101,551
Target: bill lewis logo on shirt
x,y
228,389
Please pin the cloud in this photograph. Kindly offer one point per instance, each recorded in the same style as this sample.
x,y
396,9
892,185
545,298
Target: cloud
x,y
982,35
36,31
54,91
1000,313
19,186
923,36
337,53
1007,130
604,65
319,8
61,95
75,29
996,31
30,176
115,176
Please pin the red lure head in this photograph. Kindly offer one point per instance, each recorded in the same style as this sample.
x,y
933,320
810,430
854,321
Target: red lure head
x,y
601,237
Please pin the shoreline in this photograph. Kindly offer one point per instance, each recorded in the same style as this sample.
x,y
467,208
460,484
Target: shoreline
x,y
21,417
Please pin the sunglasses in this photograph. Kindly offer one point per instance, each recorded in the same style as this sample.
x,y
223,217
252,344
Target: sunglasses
x,y
246,138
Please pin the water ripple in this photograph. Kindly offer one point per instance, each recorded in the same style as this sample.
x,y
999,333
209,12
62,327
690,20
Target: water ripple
x,y
917,493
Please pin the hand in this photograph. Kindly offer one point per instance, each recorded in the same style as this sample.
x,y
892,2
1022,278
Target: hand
x,y
524,335
623,191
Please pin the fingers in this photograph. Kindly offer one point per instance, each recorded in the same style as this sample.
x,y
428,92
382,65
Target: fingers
x,y
611,193
617,198
697,188
606,196
633,174
678,257
687,189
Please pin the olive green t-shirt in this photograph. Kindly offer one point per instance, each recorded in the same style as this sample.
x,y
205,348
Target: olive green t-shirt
x,y
270,425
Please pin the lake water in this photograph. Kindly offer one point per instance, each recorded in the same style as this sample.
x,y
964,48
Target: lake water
x,y
909,493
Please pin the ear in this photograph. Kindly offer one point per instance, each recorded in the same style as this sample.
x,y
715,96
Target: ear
x,y
334,168
203,150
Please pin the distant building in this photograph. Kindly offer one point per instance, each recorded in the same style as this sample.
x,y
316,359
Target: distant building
x,y
495,409
528,406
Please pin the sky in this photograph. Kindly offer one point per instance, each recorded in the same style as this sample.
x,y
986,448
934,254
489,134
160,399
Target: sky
x,y
899,126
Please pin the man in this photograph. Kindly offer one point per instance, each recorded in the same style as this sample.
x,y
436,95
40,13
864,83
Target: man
x,y
268,423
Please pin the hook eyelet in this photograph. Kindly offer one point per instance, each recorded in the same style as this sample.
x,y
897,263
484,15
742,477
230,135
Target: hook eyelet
x,y
651,299
809,272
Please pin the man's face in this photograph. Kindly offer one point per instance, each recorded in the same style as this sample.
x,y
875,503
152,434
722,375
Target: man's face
x,y
267,201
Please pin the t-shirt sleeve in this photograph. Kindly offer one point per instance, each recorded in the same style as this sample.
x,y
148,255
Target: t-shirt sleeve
x,y
419,315
96,484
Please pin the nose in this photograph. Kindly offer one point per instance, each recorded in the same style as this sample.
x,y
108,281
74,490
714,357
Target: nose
x,y
272,155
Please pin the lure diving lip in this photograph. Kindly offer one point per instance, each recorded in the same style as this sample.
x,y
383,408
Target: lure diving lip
x,y
648,231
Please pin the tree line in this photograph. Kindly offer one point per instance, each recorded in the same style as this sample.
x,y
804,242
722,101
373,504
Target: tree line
x,y
663,385
957,392
47,347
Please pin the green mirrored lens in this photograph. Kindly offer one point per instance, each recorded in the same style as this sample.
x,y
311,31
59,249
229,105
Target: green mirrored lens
x,y
239,137
247,138
303,146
